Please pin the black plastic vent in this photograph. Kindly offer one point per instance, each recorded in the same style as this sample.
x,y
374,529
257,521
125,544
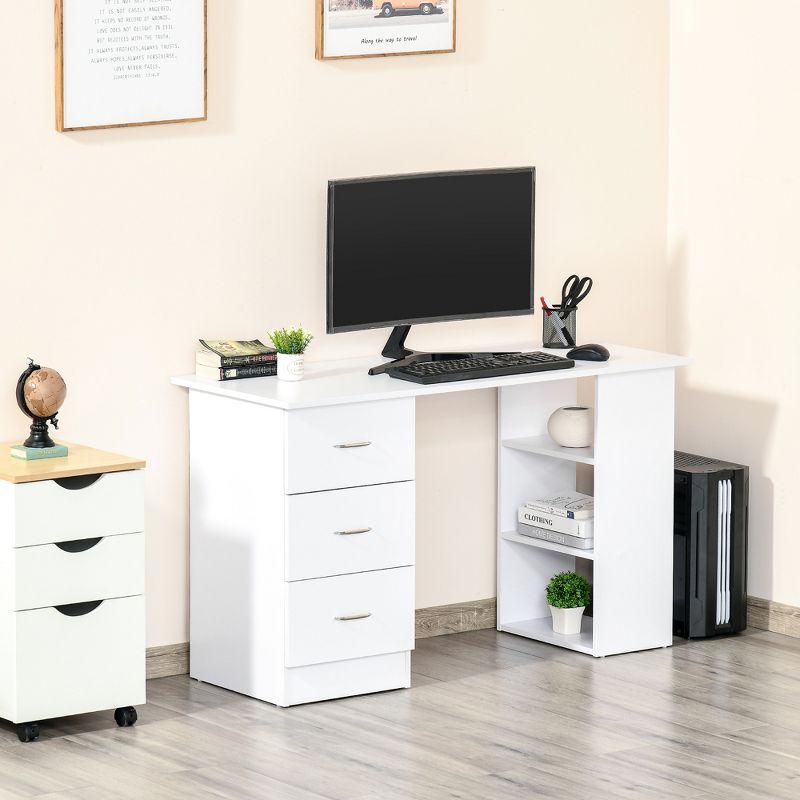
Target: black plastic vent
x,y
683,460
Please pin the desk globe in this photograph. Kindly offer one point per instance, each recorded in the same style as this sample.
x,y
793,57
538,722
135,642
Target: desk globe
x,y
41,392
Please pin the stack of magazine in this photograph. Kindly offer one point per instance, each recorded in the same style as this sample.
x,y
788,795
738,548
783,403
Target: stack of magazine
x,y
566,518
228,360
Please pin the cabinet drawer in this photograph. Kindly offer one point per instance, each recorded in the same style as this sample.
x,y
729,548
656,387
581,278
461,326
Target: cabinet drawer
x,y
76,664
353,445
349,530
350,616
60,511
74,572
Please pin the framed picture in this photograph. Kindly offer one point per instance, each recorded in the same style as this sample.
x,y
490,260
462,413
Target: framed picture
x,y
120,63
362,28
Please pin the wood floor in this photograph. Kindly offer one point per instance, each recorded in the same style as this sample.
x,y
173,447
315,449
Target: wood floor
x,y
490,716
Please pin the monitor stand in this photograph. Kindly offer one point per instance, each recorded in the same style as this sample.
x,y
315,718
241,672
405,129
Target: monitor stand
x,y
396,349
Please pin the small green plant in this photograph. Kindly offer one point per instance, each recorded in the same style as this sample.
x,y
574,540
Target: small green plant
x,y
291,341
568,590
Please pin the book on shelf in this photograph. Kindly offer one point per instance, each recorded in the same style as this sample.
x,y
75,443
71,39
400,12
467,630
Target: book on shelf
x,y
565,539
572,505
235,373
230,353
583,528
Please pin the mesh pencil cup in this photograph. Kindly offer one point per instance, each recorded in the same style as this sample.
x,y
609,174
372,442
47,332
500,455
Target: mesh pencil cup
x,y
552,334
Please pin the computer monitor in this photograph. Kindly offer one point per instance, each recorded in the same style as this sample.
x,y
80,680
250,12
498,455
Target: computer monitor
x,y
432,247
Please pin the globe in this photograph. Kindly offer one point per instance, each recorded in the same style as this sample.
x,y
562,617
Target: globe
x,y
44,392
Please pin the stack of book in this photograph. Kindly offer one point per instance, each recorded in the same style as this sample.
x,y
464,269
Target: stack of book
x,y
566,518
225,360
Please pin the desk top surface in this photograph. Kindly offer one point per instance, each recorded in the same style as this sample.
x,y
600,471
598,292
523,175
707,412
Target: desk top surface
x,y
329,383
80,460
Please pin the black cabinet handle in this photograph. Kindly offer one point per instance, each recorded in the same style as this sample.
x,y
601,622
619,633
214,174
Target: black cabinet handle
x,y
78,545
78,609
76,482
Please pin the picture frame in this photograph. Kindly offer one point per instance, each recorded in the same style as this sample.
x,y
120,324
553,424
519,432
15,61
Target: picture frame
x,y
119,66
377,28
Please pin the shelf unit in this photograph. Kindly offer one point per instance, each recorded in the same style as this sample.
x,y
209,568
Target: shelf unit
x,y
631,472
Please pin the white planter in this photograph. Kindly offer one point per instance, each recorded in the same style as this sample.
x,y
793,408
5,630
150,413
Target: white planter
x,y
572,426
567,621
291,366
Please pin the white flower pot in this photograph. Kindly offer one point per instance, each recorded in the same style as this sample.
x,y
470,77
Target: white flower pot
x,y
572,426
567,621
291,366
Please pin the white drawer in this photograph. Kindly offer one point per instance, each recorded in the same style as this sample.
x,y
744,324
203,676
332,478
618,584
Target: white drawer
x,y
350,445
74,572
77,664
349,530
51,511
350,616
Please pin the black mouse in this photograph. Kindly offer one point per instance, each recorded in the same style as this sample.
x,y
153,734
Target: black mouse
x,y
589,352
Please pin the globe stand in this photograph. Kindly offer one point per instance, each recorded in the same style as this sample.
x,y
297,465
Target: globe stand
x,y
39,438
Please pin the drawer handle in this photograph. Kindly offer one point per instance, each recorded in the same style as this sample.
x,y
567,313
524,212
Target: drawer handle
x,y
352,617
78,545
351,445
78,609
354,532
76,482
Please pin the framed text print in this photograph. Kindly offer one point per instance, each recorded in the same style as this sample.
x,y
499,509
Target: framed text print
x,y
359,28
129,62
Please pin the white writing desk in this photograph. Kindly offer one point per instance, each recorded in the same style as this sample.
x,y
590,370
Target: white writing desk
x,y
302,520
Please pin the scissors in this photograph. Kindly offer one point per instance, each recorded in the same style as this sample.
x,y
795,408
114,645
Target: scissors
x,y
574,292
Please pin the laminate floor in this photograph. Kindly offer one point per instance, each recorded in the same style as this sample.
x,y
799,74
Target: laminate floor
x,y
490,717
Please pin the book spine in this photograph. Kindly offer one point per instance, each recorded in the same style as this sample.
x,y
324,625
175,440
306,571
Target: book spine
x,y
548,509
553,522
245,361
257,371
577,542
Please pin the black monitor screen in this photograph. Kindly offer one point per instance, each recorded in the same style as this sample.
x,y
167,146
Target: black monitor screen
x,y
430,247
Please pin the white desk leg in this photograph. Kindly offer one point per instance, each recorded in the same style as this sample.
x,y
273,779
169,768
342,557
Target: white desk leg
x,y
633,488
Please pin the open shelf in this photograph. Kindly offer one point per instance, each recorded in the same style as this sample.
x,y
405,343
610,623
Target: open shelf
x,y
542,631
513,536
545,446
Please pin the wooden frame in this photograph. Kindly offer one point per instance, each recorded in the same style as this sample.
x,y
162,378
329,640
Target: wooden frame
x,y
320,39
60,78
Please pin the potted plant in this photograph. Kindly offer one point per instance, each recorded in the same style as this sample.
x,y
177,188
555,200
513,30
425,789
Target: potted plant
x,y
568,594
291,344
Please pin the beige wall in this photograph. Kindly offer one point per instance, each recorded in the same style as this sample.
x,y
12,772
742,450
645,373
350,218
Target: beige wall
x,y
119,248
735,258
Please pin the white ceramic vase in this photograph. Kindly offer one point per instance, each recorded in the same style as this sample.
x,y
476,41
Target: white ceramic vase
x,y
567,621
291,366
572,426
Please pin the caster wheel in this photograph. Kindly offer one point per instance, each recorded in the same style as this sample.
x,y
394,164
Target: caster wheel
x,y
125,717
28,732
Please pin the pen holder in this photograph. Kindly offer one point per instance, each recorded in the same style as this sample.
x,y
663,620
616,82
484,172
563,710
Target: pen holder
x,y
550,329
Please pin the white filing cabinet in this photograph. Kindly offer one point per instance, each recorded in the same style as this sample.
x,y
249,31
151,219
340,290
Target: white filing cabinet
x,y
72,620
302,548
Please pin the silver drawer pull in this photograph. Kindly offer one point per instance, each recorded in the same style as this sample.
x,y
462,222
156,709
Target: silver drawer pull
x,y
351,445
354,532
351,617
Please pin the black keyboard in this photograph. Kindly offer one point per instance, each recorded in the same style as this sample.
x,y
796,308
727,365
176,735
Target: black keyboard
x,y
490,366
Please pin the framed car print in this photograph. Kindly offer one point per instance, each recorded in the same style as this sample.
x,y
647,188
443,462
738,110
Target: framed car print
x,y
362,28
121,63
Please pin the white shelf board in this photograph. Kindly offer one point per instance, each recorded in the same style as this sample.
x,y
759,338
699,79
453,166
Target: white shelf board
x,y
513,536
542,631
545,446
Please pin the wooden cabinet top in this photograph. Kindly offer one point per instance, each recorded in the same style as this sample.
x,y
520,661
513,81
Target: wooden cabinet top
x,y
81,460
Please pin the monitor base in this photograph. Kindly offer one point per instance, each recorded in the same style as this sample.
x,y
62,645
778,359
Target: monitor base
x,y
396,350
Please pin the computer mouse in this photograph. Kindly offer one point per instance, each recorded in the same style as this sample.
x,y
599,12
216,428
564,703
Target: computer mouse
x,y
589,352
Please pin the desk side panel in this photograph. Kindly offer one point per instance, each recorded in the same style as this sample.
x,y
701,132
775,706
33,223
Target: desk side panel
x,y
237,544
633,488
